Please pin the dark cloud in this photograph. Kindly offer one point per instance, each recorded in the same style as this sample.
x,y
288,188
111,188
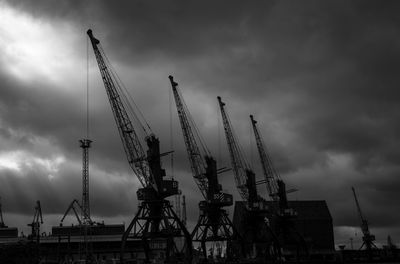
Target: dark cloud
x,y
320,77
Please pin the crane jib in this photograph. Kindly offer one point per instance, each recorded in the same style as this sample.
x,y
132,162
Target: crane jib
x,y
131,143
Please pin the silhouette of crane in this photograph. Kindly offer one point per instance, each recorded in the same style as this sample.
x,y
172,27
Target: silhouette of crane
x,y
284,215
213,223
155,220
36,222
368,238
258,233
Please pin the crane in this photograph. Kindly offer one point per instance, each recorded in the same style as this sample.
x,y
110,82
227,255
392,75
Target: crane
x,y
271,176
213,223
76,207
284,215
275,185
155,220
257,233
368,238
36,222
244,175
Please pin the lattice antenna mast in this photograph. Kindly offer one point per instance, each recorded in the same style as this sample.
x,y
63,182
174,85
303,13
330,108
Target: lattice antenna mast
x,y
1,215
130,141
244,175
85,145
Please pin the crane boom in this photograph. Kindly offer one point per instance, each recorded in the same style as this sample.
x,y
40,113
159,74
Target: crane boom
x,y
238,164
197,163
358,205
130,141
271,176
244,175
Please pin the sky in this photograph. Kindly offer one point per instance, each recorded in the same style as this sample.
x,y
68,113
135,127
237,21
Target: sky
x,y
319,76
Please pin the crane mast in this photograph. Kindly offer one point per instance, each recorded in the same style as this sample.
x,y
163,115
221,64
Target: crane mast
x,y
213,223
155,224
368,238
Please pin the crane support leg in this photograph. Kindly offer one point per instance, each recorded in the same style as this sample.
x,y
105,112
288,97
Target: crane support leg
x,y
159,230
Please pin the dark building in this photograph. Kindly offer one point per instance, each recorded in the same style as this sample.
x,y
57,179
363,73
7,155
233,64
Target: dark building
x,y
8,232
94,230
313,223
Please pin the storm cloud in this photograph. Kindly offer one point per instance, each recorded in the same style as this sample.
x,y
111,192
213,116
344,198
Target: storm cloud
x,y
320,77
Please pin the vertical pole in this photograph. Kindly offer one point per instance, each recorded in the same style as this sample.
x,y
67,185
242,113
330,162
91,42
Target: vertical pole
x,y
178,204
86,220
85,145
1,216
184,210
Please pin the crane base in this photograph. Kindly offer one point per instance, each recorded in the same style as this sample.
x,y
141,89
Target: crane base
x,y
161,233
214,225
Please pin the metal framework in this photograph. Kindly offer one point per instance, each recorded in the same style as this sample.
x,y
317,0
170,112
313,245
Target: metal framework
x,y
76,208
257,233
368,238
85,145
213,223
36,222
2,225
284,215
271,176
154,209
